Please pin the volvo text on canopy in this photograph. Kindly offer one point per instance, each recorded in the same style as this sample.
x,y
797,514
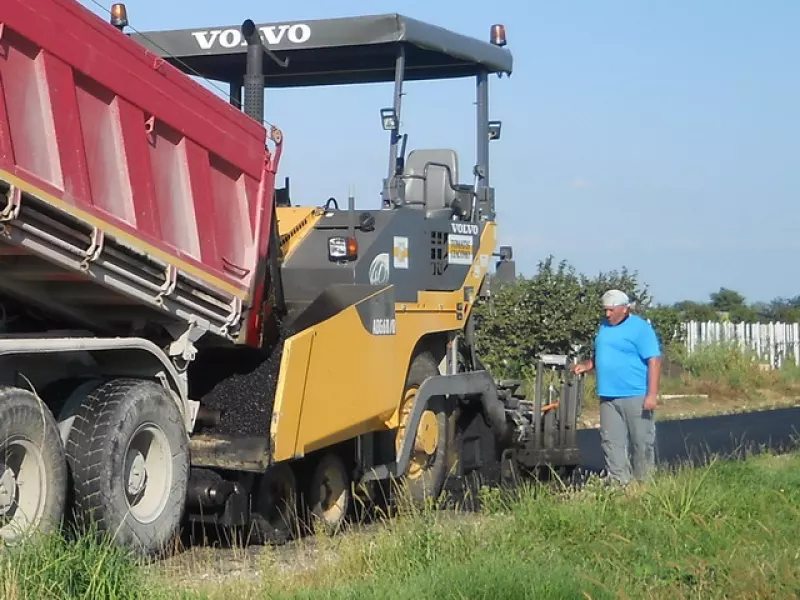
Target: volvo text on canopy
x,y
351,50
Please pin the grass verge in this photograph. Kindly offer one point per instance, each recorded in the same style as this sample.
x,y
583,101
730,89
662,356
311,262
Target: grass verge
x,y
51,567
725,369
726,530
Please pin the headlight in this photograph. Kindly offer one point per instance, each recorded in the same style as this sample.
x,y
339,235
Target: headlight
x,y
342,248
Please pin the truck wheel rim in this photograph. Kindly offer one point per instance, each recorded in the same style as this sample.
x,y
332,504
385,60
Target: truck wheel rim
x,y
23,486
147,474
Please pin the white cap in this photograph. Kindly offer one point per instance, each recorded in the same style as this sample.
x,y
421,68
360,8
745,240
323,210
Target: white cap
x,y
614,298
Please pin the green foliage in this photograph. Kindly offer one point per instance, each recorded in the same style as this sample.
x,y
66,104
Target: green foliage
x,y
695,311
786,310
725,368
667,322
720,360
730,305
727,300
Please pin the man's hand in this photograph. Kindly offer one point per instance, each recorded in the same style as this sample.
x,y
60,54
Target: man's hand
x,y
583,367
650,402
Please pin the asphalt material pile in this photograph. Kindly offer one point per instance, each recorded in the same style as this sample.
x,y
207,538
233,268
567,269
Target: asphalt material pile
x,y
246,396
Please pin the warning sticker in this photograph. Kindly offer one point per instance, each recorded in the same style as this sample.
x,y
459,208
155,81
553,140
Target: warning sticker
x,y
459,249
400,252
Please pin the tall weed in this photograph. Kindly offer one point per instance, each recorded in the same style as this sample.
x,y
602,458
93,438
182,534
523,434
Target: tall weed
x,y
52,566
726,367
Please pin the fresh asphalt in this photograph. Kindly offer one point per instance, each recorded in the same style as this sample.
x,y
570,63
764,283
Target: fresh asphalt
x,y
694,441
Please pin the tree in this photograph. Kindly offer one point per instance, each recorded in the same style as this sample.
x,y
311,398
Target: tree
x,y
786,310
695,311
727,300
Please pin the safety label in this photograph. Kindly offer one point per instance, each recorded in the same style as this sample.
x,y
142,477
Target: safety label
x,y
400,252
459,249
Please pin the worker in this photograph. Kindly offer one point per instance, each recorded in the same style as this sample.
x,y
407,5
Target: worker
x,y
627,362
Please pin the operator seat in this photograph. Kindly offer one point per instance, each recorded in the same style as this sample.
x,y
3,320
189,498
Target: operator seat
x,y
431,190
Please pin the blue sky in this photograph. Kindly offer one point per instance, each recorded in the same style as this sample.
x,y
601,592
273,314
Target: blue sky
x,y
661,136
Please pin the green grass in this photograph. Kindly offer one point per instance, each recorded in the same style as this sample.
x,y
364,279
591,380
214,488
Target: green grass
x,y
728,530
53,567
735,369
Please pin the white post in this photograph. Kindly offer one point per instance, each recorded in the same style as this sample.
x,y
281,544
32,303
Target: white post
x,y
757,336
796,343
771,333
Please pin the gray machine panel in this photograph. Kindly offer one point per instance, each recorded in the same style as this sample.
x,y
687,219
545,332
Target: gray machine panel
x,y
405,249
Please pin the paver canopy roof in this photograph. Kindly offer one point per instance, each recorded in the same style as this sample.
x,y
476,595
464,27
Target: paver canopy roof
x,y
331,51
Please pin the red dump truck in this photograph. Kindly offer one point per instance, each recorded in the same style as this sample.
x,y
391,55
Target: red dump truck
x,y
178,340
137,210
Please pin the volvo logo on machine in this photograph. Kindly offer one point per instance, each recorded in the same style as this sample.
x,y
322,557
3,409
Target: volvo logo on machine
x,y
273,35
465,228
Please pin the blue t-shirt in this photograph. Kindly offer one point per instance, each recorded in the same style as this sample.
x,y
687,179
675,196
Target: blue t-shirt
x,y
621,354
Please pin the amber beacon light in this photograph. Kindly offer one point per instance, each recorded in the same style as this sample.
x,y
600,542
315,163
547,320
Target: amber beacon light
x,y
498,35
119,16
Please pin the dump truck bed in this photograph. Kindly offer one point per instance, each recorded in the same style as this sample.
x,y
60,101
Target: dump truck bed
x,y
128,192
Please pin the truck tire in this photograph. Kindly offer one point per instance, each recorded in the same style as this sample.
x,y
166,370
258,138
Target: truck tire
x,y
424,476
28,431
128,452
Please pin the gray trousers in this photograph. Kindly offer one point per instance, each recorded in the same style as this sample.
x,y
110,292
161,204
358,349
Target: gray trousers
x,y
626,428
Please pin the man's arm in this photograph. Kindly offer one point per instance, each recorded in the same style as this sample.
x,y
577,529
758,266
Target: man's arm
x,y
650,350
653,376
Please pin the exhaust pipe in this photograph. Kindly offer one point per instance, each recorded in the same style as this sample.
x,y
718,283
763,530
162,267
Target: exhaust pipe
x,y
254,75
254,107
